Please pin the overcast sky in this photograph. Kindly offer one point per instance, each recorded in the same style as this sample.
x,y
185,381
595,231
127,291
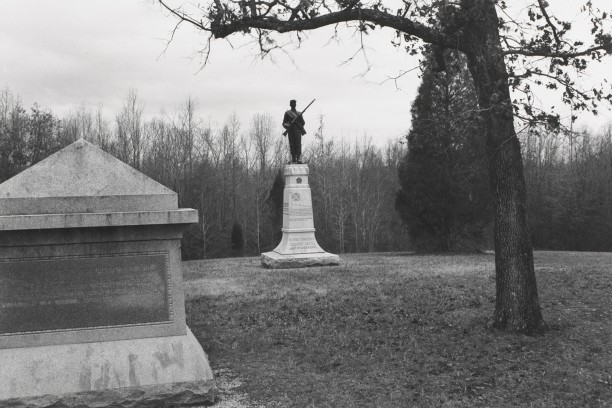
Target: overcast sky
x,y
61,54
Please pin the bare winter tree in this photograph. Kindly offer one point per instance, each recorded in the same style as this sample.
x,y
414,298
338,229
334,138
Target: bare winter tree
x,y
129,130
501,54
102,131
79,123
262,134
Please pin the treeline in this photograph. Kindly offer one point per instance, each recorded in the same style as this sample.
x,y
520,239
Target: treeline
x,y
232,174
444,194
569,189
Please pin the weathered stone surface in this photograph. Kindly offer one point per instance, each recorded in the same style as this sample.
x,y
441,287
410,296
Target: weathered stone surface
x,y
274,260
182,394
88,220
71,368
92,308
81,178
82,265
298,247
55,294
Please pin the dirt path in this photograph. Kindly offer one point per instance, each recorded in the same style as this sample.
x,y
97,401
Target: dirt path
x,y
228,397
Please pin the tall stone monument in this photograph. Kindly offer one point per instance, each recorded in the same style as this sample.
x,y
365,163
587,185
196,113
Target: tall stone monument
x,y
92,308
298,247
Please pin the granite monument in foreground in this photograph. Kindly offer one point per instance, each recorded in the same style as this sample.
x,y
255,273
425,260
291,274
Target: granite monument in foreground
x,y
91,299
298,247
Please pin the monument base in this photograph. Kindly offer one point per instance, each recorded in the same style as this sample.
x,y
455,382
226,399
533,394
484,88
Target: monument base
x,y
125,373
197,393
274,260
298,247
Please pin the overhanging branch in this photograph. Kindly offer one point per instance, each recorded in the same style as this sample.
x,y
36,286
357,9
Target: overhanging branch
x,y
222,29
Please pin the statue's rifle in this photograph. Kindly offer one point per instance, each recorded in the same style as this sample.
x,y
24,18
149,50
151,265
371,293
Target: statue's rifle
x,y
297,117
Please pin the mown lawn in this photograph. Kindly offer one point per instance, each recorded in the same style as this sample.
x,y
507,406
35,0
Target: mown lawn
x,y
400,330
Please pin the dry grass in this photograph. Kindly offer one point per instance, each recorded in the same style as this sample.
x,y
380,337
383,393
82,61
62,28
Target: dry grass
x,y
398,330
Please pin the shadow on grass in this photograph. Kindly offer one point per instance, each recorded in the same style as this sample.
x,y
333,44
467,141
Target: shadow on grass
x,y
387,337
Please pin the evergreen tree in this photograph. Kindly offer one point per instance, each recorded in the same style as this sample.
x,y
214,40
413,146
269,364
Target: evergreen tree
x,y
237,239
444,198
274,211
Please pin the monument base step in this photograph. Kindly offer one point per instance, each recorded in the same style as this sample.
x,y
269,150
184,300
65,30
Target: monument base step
x,y
274,260
122,373
184,394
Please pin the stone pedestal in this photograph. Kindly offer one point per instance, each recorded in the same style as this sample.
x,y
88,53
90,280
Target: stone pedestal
x,y
298,247
91,290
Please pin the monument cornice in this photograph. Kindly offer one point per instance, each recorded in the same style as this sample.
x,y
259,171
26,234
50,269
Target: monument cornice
x,y
91,220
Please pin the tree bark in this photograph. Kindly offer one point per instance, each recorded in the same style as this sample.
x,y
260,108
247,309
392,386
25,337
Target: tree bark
x,y
517,306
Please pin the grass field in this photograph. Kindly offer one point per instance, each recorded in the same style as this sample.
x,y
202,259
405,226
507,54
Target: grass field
x,y
400,330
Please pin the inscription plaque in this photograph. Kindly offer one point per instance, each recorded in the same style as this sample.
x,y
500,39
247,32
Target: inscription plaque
x,y
302,243
83,292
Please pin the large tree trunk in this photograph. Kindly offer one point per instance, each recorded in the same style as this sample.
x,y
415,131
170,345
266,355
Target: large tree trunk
x,y
517,306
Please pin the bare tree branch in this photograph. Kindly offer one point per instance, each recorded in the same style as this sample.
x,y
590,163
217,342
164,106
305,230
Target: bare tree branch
x,y
398,76
222,29
184,17
543,4
550,54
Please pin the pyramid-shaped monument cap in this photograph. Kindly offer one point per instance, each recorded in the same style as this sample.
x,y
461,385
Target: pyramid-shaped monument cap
x,y
82,178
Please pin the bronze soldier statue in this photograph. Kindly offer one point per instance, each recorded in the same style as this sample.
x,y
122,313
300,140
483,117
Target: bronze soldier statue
x,y
293,122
